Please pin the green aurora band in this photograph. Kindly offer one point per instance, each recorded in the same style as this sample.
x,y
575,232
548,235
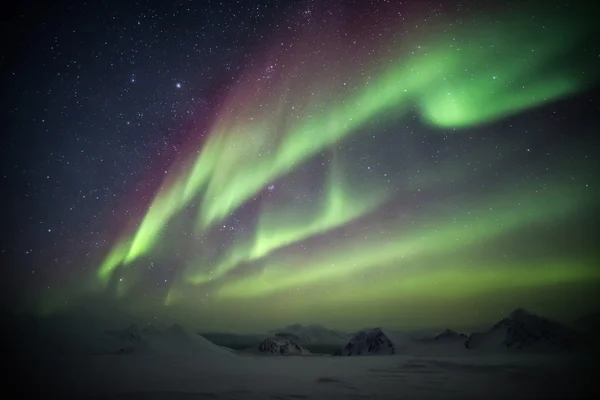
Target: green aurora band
x,y
464,76
474,224
278,228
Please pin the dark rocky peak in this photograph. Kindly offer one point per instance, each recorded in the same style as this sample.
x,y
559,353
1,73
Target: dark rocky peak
x,y
450,334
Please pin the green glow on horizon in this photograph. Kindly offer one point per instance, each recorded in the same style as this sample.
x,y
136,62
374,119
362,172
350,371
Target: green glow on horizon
x,y
456,281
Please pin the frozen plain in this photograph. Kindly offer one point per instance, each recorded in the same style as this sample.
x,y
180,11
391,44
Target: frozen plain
x,y
176,363
195,375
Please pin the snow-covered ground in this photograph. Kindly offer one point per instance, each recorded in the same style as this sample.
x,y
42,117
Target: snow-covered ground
x,y
172,362
203,375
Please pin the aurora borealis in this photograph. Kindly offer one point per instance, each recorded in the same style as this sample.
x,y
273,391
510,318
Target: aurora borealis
x,y
419,165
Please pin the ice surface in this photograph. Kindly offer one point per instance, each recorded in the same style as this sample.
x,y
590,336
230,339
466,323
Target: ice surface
x,y
178,376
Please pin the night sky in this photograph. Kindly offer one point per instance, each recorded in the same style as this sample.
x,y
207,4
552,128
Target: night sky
x,y
249,164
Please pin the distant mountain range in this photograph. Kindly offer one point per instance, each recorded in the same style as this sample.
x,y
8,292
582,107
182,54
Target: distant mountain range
x,y
312,334
520,331
450,335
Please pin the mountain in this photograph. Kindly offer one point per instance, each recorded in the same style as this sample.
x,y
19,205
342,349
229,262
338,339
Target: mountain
x,y
374,342
311,334
524,331
125,341
445,344
235,341
450,335
281,346
173,339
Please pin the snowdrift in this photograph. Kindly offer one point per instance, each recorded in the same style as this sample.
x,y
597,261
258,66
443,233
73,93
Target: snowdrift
x,y
173,339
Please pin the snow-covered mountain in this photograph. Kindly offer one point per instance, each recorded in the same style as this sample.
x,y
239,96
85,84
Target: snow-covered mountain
x,y
132,339
450,335
281,346
375,342
235,341
444,337
524,331
311,334
125,341
445,344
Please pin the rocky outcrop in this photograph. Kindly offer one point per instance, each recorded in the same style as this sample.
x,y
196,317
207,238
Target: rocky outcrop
x,y
281,346
372,342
